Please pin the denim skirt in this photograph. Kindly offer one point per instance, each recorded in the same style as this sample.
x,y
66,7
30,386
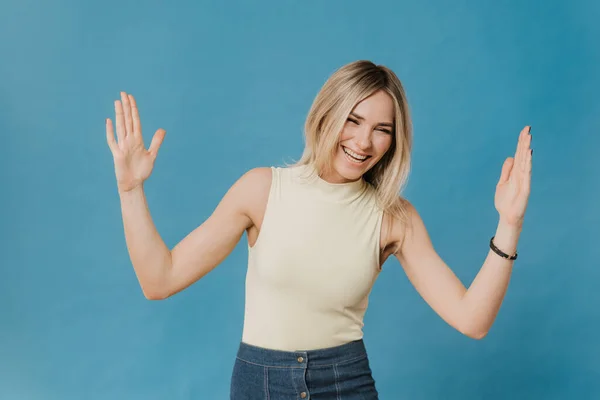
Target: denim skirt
x,y
335,373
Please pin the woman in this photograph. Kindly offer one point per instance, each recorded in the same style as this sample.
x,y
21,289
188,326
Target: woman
x,y
318,232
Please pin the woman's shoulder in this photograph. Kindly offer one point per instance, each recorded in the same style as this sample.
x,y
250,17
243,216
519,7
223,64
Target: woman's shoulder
x,y
251,192
256,180
399,220
259,179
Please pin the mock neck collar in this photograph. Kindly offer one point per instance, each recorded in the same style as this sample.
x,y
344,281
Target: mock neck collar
x,y
337,192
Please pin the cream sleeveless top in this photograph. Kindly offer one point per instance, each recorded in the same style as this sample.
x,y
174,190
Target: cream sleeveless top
x,y
314,263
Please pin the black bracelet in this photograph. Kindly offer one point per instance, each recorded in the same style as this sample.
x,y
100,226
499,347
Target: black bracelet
x,y
500,252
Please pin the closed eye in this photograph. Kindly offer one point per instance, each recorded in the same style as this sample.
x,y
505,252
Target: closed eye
x,y
381,129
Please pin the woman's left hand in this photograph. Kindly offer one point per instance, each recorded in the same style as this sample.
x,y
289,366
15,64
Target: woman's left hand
x,y
512,190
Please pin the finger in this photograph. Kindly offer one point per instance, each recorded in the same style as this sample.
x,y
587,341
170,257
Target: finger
x,y
520,145
520,153
527,173
121,133
137,125
157,140
110,136
516,156
526,150
506,169
127,113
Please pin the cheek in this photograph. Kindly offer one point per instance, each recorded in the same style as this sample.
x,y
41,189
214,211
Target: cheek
x,y
345,134
382,144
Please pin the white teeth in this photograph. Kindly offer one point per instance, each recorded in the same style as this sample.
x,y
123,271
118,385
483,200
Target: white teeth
x,y
354,156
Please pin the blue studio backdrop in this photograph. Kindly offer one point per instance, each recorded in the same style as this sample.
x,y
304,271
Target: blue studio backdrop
x,y
232,82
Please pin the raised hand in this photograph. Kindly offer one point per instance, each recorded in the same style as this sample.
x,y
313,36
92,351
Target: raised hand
x,y
133,163
512,191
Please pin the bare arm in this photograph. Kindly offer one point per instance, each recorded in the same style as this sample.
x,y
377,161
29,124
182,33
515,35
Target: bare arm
x,y
161,272
209,244
149,254
471,311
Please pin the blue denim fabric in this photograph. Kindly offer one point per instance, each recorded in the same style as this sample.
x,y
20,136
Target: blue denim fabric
x,y
336,373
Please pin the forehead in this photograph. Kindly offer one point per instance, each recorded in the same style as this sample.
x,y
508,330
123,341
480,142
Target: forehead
x,y
377,107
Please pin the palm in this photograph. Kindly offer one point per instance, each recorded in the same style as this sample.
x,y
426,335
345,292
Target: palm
x,y
133,163
512,191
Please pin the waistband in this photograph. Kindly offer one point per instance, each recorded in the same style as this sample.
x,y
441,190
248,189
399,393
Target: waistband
x,y
302,359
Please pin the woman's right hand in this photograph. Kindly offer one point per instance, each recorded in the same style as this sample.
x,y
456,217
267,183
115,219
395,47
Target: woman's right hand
x,y
133,163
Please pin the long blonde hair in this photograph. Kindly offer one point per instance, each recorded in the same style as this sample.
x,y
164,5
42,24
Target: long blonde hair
x,y
344,89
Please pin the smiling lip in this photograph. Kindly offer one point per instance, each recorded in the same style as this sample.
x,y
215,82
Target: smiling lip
x,y
354,155
357,152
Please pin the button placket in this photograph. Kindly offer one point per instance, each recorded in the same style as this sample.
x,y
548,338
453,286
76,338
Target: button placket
x,y
303,386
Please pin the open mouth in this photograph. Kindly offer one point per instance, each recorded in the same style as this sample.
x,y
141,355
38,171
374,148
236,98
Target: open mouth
x,y
354,157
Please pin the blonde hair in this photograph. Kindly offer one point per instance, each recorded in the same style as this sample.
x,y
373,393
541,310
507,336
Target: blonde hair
x,y
347,87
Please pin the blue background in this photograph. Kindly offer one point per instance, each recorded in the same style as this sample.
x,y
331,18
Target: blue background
x,y
232,83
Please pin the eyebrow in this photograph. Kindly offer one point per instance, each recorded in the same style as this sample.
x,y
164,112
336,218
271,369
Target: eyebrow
x,y
355,115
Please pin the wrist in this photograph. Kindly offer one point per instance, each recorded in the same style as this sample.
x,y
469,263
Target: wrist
x,y
507,236
511,223
132,195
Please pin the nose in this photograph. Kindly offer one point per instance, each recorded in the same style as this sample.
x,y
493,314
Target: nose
x,y
363,139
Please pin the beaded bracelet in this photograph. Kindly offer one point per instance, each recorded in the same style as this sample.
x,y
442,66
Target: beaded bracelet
x,y
500,252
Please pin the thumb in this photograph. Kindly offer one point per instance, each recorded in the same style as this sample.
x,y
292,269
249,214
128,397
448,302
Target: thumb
x,y
506,168
157,140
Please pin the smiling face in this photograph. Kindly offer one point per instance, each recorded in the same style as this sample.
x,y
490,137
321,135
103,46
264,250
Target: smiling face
x,y
365,138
